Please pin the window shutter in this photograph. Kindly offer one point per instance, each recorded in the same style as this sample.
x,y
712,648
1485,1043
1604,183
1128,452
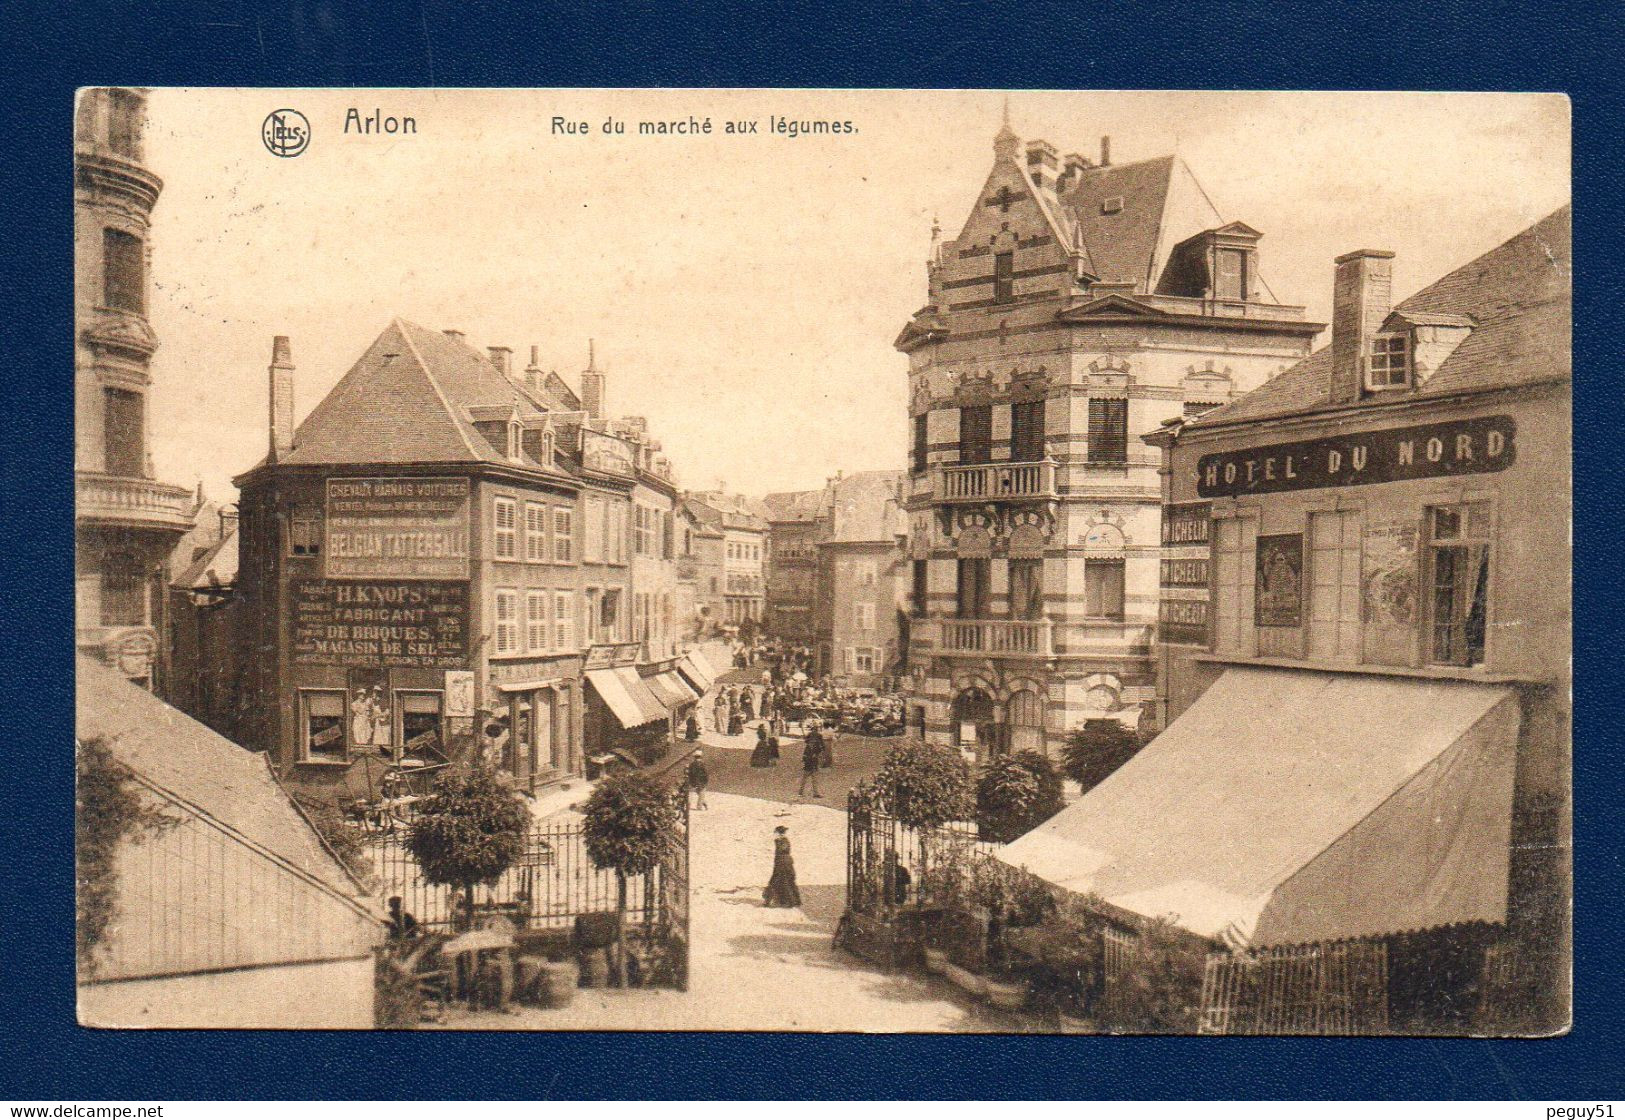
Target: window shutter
x,y
1108,430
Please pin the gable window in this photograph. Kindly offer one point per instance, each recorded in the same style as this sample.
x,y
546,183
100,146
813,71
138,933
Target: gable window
x,y
507,620
1027,431
321,720
976,434
304,534
1108,430
918,462
563,534
535,532
1231,279
123,271
504,521
1390,363
123,433
536,621
1458,582
1004,277
1103,588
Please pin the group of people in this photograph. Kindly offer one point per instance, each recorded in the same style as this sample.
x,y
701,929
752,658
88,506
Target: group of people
x,y
737,706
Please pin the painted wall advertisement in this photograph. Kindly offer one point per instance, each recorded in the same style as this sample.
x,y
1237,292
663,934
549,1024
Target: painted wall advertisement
x,y
1388,591
394,528
402,624
1279,591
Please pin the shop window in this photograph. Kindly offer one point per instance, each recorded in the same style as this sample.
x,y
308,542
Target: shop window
x,y
536,620
1027,431
1004,277
976,434
1389,366
321,721
1103,589
922,587
506,635
1027,589
1459,575
564,620
124,433
535,532
1334,587
304,534
921,447
504,528
123,271
124,599
419,731
563,535
1108,431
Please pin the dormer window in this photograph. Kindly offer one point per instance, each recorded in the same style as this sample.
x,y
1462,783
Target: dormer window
x,y
547,449
1112,205
515,435
1389,366
1230,279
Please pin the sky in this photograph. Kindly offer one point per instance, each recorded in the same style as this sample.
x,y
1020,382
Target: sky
x,y
743,290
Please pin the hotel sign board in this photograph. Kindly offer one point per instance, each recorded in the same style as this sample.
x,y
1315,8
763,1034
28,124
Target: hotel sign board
x,y
1481,445
397,528
397,624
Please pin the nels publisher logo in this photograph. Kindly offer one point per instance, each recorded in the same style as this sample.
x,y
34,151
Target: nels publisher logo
x,y
286,133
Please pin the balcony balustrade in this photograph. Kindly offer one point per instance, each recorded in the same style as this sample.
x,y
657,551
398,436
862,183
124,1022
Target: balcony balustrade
x,y
134,502
995,482
996,637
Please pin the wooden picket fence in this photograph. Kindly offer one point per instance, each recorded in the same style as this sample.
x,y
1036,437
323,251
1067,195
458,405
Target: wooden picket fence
x,y
1340,988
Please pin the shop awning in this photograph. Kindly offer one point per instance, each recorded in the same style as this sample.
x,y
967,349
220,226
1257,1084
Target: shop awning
x,y
670,690
1287,807
625,695
697,671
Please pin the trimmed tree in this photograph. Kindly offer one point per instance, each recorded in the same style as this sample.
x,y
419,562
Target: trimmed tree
x,y
628,822
1016,794
925,786
1095,750
468,831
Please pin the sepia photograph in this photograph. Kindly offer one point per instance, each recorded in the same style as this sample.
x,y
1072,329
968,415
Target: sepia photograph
x,y
951,561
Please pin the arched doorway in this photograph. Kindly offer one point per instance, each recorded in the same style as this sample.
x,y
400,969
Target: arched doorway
x,y
972,718
1025,717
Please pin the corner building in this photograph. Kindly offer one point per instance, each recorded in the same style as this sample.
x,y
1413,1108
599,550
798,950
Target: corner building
x,y
1081,305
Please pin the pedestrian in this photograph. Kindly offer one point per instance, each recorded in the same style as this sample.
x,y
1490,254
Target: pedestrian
x,y
781,888
719,710
767,677
747,706
736,722
827,758
772,749
691,729
812,755
698,779
761,756
402,925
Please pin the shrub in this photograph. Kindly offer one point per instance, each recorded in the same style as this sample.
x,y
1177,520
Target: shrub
x,y
1016,794
1160,990
341,839
628,818
107,809
925,786
1068,948
469,830
1095,750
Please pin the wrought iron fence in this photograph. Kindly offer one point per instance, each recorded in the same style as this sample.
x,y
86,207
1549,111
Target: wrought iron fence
x,y
890,864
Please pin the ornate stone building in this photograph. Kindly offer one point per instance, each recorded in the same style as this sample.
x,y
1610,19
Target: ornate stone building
x,y
127,523
1081,305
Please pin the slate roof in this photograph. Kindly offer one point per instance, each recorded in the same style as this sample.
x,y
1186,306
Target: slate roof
x,y
864,508
1518,294
1120,246
406,401
796,505
209,773
215,568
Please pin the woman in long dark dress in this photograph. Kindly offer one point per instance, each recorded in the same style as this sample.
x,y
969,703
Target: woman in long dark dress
x,y
760,758
736,722
781,888
747,705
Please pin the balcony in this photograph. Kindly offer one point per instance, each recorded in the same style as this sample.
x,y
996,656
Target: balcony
x,y
1001,637
995,482
136,503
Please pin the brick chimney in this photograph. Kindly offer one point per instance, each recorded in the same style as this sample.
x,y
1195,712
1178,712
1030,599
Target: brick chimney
x,y
533,372
453,334
593,389
281,378
502,358
1105,151
1043,164
1362,296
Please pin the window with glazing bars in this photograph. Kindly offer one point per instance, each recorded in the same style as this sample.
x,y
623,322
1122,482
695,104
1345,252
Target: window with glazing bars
x,y
1458,576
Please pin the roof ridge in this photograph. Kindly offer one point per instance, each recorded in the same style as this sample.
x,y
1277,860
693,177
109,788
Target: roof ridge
x,y
400,324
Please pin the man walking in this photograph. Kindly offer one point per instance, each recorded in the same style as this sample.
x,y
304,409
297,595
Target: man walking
x,y
812,755
698,779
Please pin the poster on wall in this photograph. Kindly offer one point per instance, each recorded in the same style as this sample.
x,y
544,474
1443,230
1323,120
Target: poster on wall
x,y
1388,575
415,528
459,693
1279,589
402,624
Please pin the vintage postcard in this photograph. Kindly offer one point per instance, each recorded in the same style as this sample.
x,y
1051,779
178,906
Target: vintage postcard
x,y
797,560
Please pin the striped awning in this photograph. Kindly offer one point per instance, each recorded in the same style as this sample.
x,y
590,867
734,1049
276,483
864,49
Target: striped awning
x,y
626,696
670,689
696,671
